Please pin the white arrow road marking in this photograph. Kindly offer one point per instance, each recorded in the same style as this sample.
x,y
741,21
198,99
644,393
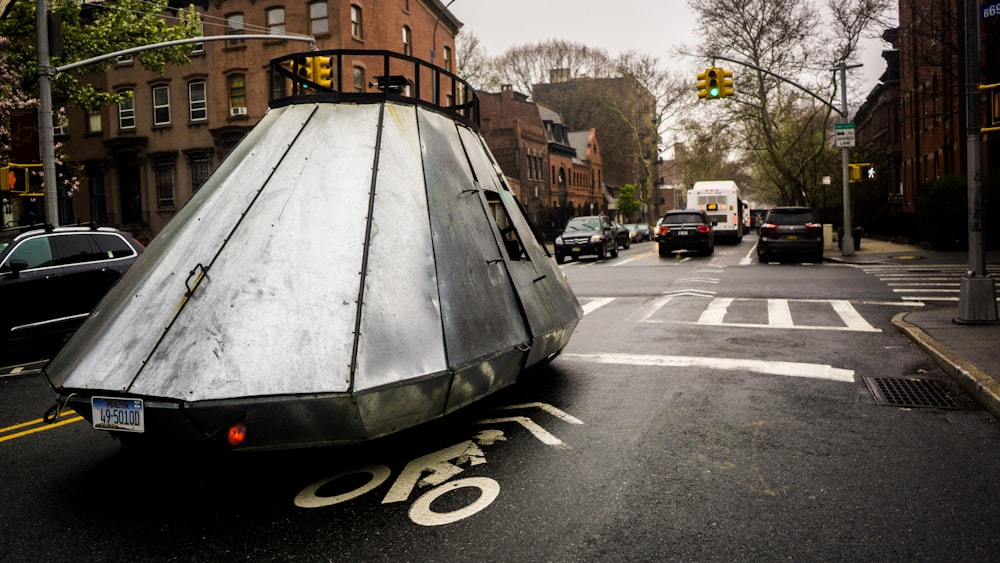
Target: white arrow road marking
x,y
791,369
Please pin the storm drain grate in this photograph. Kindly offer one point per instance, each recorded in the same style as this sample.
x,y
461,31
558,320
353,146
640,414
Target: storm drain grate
x,y
911,392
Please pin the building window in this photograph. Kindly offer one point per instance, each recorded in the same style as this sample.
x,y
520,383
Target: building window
x,y
357,29
199,47
234,26
276,21
98,203
407,41
92,122
447,58
197,101
318,21
164,184
161,105
60,124
199,171
126,111
237,92
359,79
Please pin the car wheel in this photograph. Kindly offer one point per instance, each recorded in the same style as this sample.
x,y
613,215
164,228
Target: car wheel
x,y
763,258
560,258
709,251
614,252
600,253
628,243
663,251
818,258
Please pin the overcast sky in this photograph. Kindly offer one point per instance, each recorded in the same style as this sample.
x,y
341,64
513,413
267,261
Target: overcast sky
x,y
653,27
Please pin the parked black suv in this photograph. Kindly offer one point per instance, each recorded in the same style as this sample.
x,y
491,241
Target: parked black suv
x,y
790,232
688,229
592,234
51,278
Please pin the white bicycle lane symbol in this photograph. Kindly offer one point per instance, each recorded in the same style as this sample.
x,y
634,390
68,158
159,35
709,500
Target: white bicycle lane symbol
x,y
435,469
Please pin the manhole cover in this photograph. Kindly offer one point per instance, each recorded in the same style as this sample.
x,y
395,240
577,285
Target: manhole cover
x,y
911,392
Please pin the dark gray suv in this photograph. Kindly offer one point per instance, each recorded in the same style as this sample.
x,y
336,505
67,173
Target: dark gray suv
x,y
790,232
51,278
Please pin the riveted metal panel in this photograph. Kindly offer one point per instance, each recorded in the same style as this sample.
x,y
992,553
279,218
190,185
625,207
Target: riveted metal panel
x,y
401,332
276,312
480,311
112,345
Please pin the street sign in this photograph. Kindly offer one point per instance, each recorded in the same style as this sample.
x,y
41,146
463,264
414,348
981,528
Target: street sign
x,y
845,134
991,9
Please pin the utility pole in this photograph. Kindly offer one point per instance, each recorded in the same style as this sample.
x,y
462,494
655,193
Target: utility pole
x,y
47,150
847,241
977,303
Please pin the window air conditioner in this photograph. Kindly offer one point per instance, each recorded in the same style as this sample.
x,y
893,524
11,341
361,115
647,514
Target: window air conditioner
x,y
237,111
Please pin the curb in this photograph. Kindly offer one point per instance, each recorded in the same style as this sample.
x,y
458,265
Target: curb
x,y
974,381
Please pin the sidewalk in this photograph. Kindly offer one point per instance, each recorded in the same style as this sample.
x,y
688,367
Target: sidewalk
x,y
969,353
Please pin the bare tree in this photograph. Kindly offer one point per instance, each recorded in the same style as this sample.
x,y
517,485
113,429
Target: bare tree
x,y
787,38
472,63
523,66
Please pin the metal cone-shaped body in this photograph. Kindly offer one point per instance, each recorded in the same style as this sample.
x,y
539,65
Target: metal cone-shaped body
x,y
350,270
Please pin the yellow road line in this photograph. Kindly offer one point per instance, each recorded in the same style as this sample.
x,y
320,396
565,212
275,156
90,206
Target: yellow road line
x,y
35,423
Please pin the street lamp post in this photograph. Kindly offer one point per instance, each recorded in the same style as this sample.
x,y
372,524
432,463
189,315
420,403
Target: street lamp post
x,y
437,21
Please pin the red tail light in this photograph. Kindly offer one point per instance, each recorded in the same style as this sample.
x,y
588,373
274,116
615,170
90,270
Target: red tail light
x,y
768,227
236,434
703,228
814,226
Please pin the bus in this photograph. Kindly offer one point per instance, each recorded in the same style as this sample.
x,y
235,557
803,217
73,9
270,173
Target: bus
x,y
721,200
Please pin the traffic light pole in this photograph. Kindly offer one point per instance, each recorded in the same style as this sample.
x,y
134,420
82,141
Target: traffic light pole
x,y
847,240
46,136
977,303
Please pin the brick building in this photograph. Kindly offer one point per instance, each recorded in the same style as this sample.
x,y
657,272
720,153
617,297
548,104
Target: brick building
x,y
144,159
913,125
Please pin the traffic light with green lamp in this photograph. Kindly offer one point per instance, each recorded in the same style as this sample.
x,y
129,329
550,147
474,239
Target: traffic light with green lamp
x,y
305,69
708,83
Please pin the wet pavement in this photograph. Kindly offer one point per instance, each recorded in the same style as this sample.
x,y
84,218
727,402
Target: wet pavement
x,y
969,352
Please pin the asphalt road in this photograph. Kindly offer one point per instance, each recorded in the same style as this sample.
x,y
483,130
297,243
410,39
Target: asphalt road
x,y
707,408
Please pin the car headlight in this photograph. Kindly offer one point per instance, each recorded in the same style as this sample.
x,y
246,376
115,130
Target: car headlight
x,y
559,240
596,238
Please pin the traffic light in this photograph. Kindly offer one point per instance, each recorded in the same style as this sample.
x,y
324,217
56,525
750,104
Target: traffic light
x,y
862,172
727,83
323,71
315,71
305,69
867,172
708,83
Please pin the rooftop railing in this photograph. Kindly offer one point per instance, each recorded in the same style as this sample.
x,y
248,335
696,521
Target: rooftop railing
x,y
358,75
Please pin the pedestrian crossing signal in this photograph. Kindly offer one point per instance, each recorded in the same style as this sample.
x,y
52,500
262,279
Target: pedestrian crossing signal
x,y
862,172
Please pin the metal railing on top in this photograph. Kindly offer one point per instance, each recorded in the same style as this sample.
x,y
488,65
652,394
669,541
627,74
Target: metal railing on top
x,y
358,75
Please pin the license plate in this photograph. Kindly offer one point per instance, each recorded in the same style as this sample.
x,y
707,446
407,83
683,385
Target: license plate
x,y
115,413
682,233
576,249
792,237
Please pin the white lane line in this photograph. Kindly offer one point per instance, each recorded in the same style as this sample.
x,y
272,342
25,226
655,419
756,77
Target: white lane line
x,y
716,311
596,304
851,317
791,369
778,313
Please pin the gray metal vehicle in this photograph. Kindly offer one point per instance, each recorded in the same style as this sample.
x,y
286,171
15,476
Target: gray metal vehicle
x,y
243,326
